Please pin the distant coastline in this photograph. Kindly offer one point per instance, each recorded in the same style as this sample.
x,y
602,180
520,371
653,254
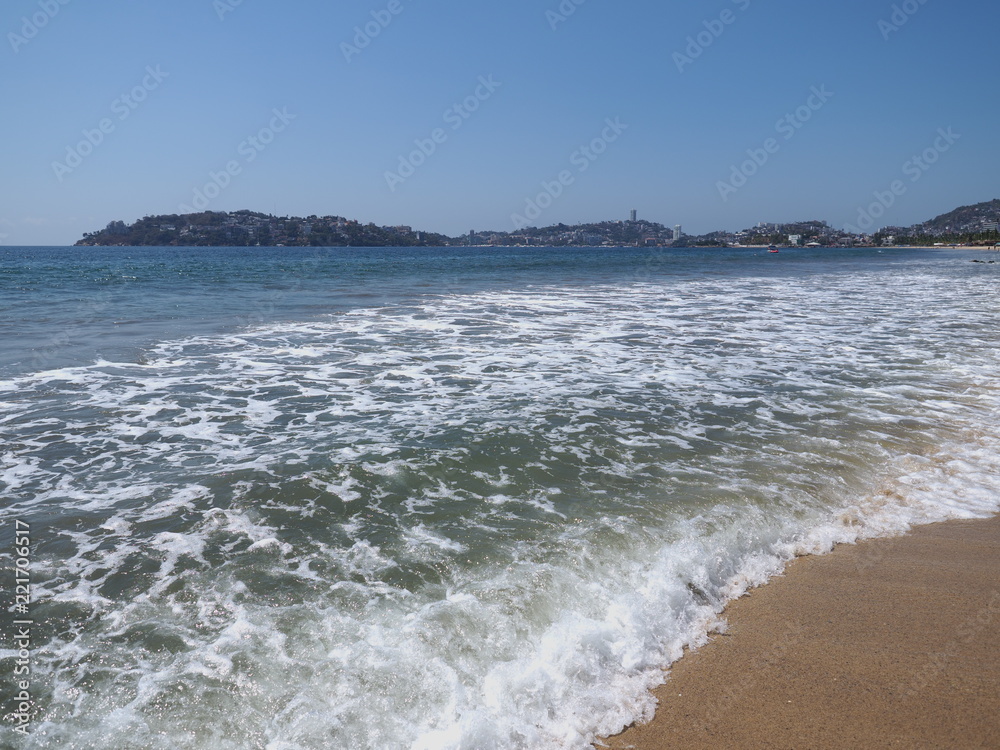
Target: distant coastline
x,y
967,226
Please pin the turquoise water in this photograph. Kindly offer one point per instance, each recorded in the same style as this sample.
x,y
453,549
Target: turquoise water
x,y
451,498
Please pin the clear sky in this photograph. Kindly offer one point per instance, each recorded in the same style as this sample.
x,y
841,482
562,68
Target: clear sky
x,y
117,110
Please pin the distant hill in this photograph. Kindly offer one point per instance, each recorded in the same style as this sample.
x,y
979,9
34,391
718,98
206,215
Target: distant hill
x,y
965,218
247,228
967,224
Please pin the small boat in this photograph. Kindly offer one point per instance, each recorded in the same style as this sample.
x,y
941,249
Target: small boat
x,y
772,249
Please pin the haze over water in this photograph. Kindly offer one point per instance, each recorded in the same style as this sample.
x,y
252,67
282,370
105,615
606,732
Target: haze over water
x,y
453,498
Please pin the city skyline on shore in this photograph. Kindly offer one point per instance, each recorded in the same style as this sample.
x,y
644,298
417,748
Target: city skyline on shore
x,y
977,224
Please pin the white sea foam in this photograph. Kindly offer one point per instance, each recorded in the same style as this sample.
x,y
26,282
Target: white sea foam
x,y
482,521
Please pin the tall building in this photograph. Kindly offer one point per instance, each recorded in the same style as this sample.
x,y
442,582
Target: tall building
x,y
677,232
632,216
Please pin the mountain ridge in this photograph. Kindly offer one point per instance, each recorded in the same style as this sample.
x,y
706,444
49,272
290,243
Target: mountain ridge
x,y
977,223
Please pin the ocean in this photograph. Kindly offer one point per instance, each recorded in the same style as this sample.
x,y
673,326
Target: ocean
x,y
458,498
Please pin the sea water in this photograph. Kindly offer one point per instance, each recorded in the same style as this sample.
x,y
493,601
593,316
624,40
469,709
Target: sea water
x,y
469,499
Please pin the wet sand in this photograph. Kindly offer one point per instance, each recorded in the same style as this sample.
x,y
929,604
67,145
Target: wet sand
x,y
891,643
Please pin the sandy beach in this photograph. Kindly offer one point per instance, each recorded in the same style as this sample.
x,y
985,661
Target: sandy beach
x,y
888,643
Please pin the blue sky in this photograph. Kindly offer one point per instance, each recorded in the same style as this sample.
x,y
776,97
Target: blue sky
x,y
187,89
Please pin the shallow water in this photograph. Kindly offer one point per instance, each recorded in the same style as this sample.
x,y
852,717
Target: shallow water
x,y
452,498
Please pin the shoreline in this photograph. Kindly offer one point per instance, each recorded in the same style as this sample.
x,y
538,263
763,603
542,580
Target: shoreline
x,y
887,643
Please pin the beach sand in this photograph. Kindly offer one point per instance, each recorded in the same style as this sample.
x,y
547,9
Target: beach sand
x,y
891,643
